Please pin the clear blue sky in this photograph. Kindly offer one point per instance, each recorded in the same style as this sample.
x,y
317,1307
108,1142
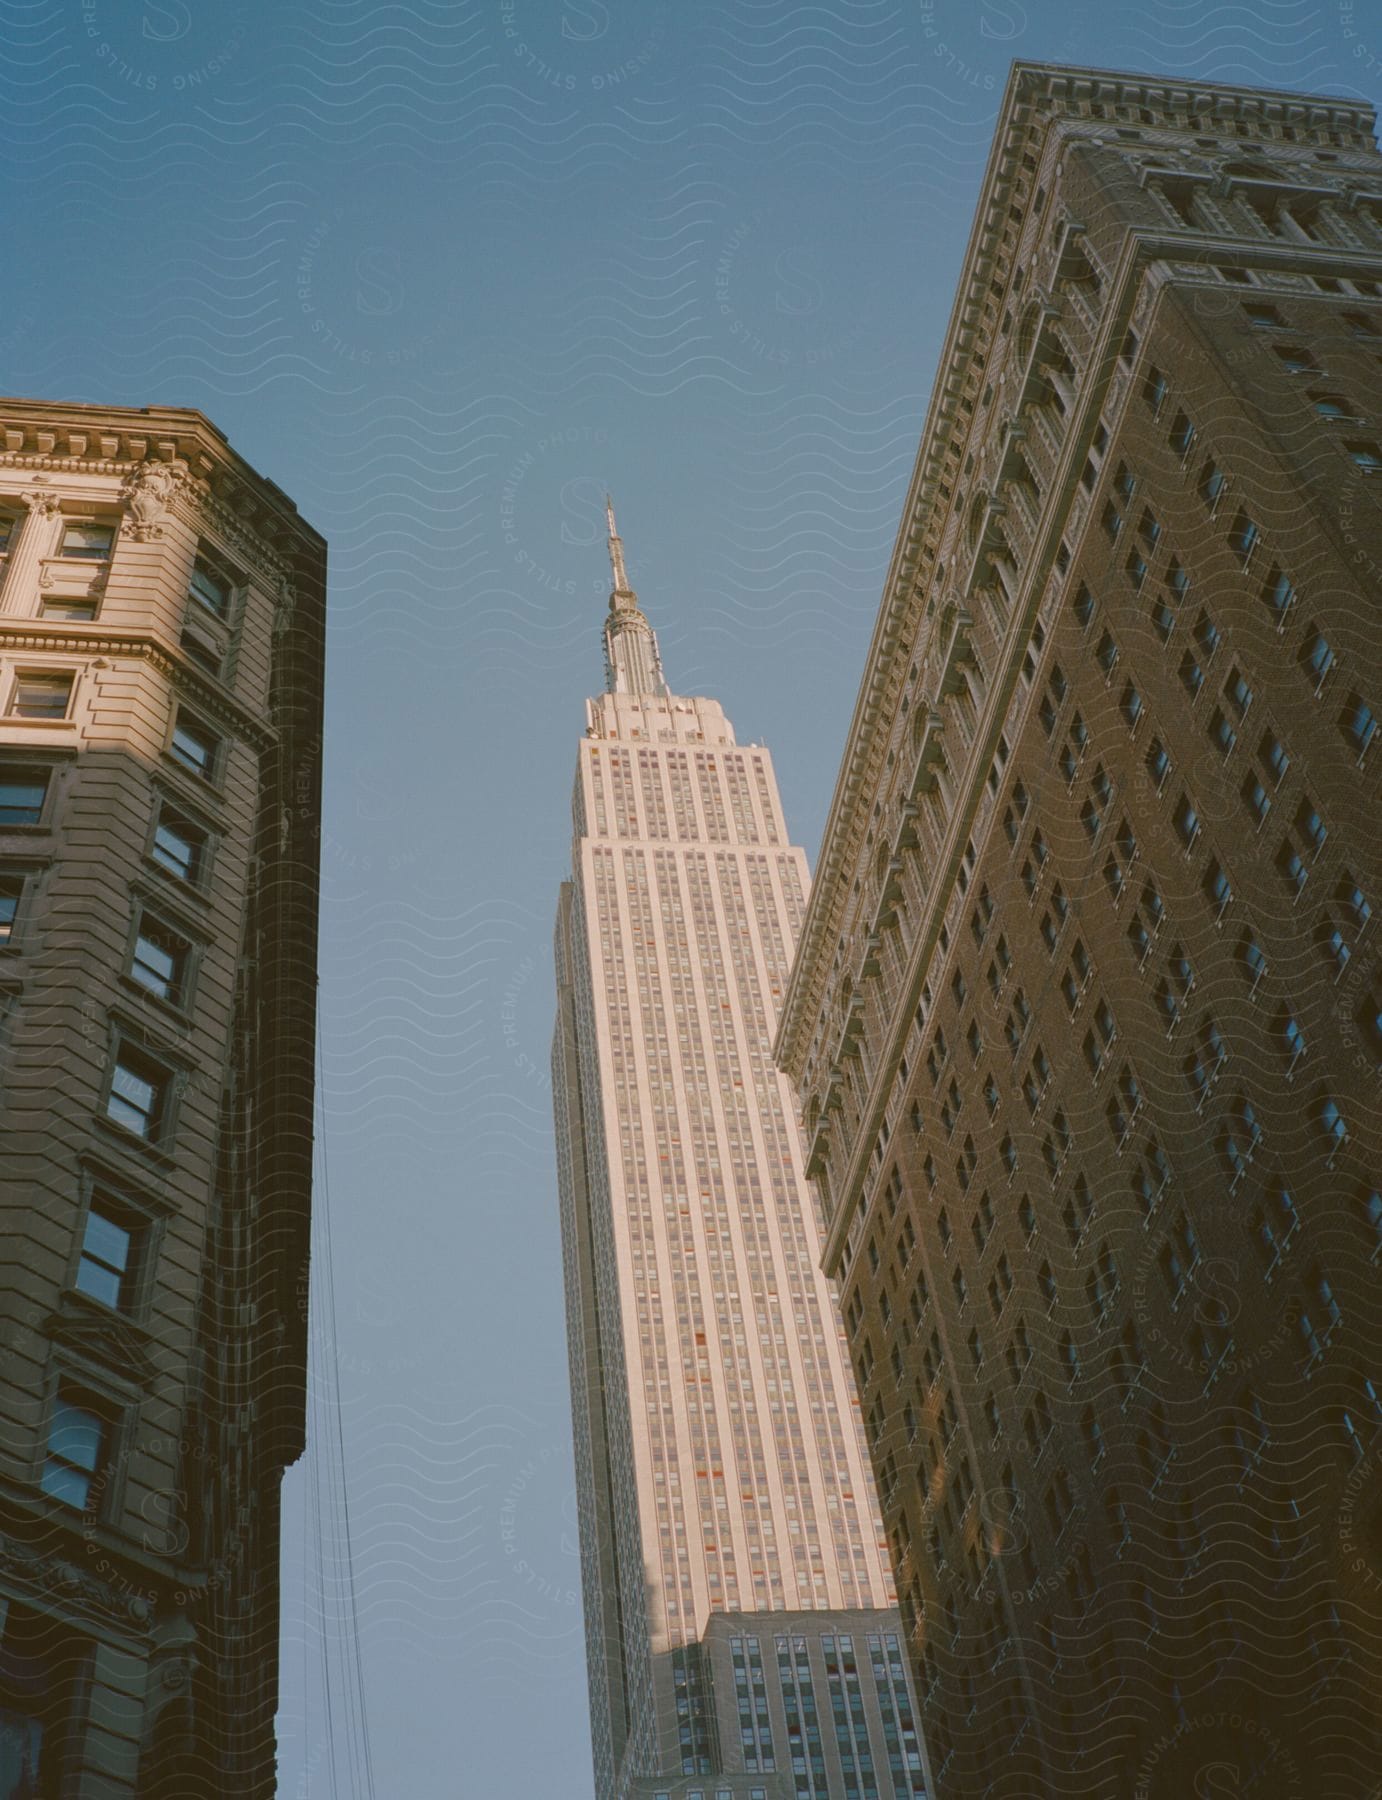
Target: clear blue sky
x,y
445,271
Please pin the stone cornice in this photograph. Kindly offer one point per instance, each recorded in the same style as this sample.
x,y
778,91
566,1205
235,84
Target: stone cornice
x,y
210,697
1033,90
113,440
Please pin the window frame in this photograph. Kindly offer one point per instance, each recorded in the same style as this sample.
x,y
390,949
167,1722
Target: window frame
x,y
144,913
234,583
198,882
84,1391
21,673
129,1046
191,724
143,1218
18,764
74,521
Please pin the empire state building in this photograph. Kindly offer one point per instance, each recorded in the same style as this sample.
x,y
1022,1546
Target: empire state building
x,y
742,1636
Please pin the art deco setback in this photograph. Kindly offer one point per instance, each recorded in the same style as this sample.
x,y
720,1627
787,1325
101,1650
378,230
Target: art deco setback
x,y
1085,1016
161,633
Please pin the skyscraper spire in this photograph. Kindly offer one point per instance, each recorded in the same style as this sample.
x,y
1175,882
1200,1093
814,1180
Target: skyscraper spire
x,y
633,664
616,552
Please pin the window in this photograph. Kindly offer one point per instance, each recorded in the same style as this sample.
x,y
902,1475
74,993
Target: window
x,y
1290,1036
1360,324
1187,822
1353,900
86,541
69,606
1256,799
1332,407
1358,724
1218,888
1316,657
1158,762
1243,537
1083,606
11,895
1155,389
1293,870
1191,674
211,586
1295,360
22,795
1221,733
1207,636
38,694
1335,946
159,961
1213,481
78,1448
179,847
140,1089
194,746
1274,758
1053,922
1366,454
1311,827
1178,1256
1264,318
1278,596
106,1268
1203,1064
1332,1125
1251,958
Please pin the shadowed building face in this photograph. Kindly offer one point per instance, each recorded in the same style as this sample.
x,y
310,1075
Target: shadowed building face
x,y
161,633
1085,1017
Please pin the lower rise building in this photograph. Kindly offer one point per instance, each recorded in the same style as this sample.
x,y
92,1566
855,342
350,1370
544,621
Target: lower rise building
x,y
161,647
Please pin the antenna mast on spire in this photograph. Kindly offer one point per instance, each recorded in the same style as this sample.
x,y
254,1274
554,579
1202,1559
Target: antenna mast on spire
x,y
616,552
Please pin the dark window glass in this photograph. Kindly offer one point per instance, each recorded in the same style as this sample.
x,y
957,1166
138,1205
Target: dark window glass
x,y
105,1268
22,793
76,1451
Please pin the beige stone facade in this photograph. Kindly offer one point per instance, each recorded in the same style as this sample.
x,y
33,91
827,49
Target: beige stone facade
x,y
721,1473
161,637
1084,1022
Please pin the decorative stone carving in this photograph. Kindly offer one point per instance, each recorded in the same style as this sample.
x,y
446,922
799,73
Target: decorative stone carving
x,y
76,1589
149,494
114,1342
284,606
43,502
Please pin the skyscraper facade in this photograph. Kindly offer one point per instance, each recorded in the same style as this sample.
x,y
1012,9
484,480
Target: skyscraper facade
x,y
741,1628
161,635
1085,1015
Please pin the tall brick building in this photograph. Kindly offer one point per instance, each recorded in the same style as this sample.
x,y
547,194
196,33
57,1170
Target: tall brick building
x,y
1084,1019
161,636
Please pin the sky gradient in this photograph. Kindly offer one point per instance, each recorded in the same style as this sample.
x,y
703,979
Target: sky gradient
x,y
445,272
